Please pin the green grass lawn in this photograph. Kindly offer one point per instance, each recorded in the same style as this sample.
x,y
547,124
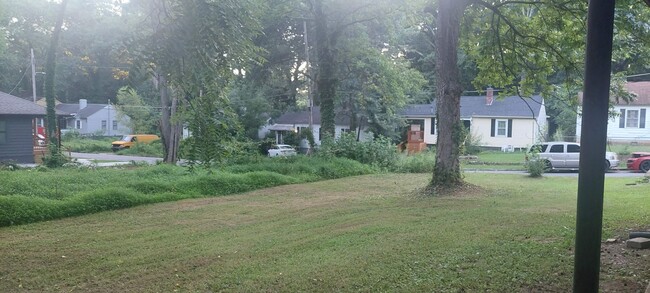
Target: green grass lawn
x,y
366,233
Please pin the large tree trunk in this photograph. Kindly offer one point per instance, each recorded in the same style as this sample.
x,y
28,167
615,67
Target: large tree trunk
x,y
326,80
448,90
169,130
50,68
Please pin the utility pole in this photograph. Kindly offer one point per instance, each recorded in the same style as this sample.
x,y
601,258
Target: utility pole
x,y
307,72
309,94
33,76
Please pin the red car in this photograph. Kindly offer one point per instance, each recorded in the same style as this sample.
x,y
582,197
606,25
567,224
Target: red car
x,y
639,161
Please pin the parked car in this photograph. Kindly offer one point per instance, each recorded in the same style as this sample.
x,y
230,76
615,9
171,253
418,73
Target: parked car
x,y
560,155
128,141
640,161
282,150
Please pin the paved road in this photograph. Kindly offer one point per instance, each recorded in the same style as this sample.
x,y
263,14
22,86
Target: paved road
x,y
612,174
114,157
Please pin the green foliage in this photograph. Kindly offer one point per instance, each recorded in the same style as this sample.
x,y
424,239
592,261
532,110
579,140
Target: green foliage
x,y
308,134
215,128
152,149
135,113
72,191
419,163
378,152
534,166
54,158
471,144
292,138
73,142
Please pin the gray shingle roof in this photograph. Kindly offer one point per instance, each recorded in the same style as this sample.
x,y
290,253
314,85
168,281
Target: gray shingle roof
x,y
302,117
12,105
83,113
473,106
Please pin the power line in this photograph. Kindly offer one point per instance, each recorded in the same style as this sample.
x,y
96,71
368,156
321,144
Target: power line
x,y
21,79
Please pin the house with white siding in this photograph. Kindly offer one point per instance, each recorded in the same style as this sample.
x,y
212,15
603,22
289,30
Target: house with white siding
x,y
297,121
505,123
92,119
631,122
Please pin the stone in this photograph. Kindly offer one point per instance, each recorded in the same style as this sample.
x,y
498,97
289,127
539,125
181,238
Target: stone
x,y
638,243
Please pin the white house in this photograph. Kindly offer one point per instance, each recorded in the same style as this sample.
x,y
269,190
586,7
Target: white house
x,y
96,119
299,120
631,123
505,123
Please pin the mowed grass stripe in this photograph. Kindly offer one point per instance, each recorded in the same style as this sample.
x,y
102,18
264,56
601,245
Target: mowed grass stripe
x,y
365,233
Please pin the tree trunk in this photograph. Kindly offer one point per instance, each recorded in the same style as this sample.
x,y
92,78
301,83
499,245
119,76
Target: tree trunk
x,y
50,68
169,130
448,90
326,80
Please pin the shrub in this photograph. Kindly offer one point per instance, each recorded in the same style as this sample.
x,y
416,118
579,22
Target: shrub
x,y
26,198
419,163
76,143
378,152
534,165
152,149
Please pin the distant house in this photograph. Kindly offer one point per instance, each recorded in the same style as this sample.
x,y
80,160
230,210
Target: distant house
x,y
92,119
298,121
632,122
506,123
17,128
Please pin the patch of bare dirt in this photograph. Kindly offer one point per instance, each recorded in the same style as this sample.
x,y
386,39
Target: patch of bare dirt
x,y
624,269
463,190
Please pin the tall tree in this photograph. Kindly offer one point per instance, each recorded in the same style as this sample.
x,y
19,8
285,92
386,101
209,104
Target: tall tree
x,y
331,20
191,48
49,81
520,46
448,91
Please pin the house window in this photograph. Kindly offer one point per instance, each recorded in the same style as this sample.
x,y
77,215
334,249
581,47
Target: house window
x,y
114,125
104,124
502,127
3,132
632,118
78,125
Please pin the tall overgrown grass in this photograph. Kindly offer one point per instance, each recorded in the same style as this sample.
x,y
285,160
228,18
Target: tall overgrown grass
x,y
28,196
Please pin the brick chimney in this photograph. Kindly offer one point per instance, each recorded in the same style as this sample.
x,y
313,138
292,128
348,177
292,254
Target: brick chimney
x,y
83,103
489,98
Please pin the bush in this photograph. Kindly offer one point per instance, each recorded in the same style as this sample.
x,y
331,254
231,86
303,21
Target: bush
x,y
423,162
26,198
534,165
152,149
379,152
73,142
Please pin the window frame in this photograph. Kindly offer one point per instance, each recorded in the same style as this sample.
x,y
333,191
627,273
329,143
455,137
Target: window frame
x,y
497,128
104,125
629,119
